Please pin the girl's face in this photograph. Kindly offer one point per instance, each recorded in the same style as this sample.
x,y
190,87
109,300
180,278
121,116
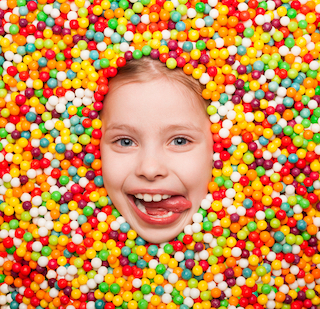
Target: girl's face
x,y
157,156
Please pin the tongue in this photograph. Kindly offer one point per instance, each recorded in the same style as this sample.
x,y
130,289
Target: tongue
x,y
175,203
156,211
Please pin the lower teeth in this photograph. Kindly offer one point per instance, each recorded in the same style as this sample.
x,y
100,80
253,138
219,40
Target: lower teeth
x,y
143,209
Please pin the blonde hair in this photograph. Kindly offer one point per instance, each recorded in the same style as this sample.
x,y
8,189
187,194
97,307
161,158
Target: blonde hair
x,y
144,69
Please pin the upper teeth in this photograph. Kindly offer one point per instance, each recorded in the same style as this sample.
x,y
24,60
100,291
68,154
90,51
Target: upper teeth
x,y
149,197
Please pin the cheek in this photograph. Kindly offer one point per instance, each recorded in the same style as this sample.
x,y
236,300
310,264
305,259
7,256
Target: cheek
x,y
113,169
201,175
197,172
195,175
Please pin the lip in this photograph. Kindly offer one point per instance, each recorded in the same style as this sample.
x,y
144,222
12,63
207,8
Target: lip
x,y
149,219
153,191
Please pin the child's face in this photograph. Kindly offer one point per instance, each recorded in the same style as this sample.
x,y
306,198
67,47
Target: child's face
x,y
156,140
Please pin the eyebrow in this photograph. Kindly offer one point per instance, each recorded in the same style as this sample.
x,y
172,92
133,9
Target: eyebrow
x,y
188,127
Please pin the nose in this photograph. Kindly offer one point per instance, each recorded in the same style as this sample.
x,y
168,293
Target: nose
x,y
151,164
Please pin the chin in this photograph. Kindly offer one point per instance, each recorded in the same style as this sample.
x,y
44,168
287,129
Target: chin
x,y
160,234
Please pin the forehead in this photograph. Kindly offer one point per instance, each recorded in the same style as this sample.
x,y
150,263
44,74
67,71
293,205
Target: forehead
x,y
154,95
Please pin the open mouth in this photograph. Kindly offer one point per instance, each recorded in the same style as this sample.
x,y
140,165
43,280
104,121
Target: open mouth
x,y
161,212
156,212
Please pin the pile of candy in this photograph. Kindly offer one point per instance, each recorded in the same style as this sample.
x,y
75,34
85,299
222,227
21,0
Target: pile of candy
x,y
253,244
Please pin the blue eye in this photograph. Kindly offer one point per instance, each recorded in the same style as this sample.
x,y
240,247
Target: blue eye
x,y
180,141
125,142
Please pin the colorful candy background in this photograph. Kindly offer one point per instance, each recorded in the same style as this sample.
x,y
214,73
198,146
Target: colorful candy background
x,y
254,242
